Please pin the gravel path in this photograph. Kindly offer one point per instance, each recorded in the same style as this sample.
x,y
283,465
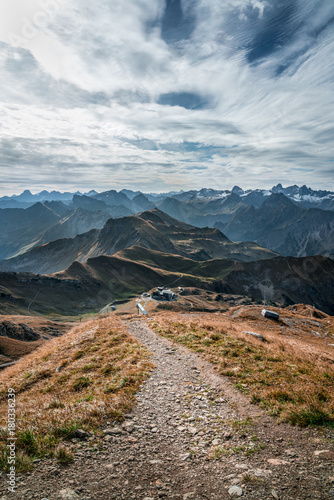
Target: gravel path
x,y
166,447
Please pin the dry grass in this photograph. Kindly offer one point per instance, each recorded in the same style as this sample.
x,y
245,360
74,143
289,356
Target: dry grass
x,y
289,383
76,381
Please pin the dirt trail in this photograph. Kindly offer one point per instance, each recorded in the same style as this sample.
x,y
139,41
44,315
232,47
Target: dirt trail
x,y
185,416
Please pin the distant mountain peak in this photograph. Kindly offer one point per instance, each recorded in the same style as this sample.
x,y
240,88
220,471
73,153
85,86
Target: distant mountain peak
x,y
237,190
140,196
277,198
26,196
304,190
277,189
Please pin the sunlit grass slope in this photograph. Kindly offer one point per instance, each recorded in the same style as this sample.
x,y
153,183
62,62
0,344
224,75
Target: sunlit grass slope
x,y
292,384
79,380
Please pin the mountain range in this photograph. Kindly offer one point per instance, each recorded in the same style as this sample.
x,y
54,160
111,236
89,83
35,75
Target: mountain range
x,y
22,229
296,221
304,196
152,229
77,252
284,227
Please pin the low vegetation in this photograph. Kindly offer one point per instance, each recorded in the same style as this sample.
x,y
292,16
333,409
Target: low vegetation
x,y
291,385
77,381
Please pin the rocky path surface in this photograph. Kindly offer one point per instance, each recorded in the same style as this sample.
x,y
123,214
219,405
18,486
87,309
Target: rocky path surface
x,y
191,436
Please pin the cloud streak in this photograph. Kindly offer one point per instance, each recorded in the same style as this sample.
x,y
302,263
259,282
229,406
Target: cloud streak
x,y
122,93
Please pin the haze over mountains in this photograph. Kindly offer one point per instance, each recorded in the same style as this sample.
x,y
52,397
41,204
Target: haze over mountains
x,y
296,221
152,229
285,227
22,229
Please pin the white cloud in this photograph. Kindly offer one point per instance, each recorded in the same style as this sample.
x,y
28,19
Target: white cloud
x,y
79,96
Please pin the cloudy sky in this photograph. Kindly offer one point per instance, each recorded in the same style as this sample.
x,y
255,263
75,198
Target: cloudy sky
x,y
166,94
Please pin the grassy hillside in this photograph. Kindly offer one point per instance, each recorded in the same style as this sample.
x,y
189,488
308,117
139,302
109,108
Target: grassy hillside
x,y
216,268
282,373
286,280
76,381
86,288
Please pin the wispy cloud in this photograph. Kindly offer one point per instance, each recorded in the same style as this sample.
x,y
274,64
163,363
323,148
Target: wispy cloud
x,y
122,93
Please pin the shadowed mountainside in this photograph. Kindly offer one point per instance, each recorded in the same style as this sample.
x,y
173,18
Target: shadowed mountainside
x,y
153,229
90,286
22,229
295,221
284,227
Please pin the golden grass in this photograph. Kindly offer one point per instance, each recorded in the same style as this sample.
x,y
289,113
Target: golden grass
x,y
290,384
76,381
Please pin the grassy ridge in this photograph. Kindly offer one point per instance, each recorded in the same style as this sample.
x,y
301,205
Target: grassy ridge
x,y
294,387
211,269
76,381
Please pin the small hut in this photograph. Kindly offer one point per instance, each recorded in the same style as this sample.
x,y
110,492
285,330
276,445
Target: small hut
x,y
270,314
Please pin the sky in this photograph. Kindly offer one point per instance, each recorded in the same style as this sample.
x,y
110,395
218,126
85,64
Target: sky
x,y
162,95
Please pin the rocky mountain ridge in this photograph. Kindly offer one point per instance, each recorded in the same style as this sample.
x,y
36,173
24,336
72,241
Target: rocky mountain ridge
x,y
291,221
153,229
305,196
23,229
284,227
